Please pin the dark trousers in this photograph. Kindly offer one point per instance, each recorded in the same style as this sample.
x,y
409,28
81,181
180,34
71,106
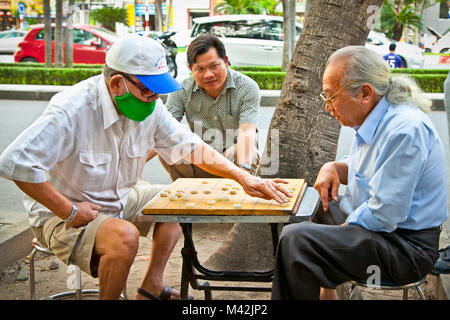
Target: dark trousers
x,y
325,254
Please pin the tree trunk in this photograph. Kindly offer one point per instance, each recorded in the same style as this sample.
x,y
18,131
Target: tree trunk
x,y
397,32
47,34
69,34
304,133
158,16
288,31
59,36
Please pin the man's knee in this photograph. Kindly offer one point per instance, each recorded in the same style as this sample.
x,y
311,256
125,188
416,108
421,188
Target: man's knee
x,y
118,238
298,233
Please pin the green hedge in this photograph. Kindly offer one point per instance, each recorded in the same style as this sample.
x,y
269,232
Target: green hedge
x,y
45,76
278,69
42,65
267,77
429,82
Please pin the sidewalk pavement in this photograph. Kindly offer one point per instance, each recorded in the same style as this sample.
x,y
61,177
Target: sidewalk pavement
x,y
18,236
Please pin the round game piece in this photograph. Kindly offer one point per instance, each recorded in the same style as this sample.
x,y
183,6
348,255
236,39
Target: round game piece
x,y
167,191
224,188
237,206
207,191
225,198
232,191
172,198
190,205
204,181
211,202
194,191
163,194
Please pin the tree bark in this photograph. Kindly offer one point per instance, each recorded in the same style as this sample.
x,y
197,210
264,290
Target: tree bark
x,y
158,16
307,135
58,36
47,34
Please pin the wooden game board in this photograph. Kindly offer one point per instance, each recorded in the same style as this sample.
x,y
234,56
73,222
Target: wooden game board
x,y
199,203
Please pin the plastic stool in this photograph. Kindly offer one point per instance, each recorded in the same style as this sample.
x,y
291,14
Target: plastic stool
x,y
77,293
391,286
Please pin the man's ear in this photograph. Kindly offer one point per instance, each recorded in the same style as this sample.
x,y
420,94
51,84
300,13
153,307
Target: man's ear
x,y
227,63
367,91
114,84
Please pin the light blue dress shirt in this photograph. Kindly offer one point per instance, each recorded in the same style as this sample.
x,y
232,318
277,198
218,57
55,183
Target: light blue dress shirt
x,y
396,171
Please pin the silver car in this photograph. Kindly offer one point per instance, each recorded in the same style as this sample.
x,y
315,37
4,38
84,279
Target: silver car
x,y
9,40
257,40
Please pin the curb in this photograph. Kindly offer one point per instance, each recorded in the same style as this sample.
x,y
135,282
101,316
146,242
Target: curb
x,y
269,98
15,243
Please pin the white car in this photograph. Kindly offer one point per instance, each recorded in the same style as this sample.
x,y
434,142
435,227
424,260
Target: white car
x,y
412,56
250,40
9,40
257,40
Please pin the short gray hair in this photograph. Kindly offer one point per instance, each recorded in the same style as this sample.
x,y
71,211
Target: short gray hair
x,y
366,66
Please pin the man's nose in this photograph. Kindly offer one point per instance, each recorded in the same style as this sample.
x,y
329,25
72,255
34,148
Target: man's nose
x,y
208,73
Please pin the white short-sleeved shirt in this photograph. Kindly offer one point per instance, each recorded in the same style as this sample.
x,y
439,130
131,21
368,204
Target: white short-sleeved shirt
x,y
88,152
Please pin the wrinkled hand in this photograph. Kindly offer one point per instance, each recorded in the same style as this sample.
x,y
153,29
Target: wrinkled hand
x,y
86,213
327,184
265,188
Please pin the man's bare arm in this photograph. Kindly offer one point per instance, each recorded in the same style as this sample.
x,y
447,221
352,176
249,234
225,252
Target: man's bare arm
x,y
48,196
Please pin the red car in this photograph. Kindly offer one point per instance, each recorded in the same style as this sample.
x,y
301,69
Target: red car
x,y
89,44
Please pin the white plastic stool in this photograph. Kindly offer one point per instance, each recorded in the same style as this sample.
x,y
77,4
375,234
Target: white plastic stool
x,y
389,286
77,293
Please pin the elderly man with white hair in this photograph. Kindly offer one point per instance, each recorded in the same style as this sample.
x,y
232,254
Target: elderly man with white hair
x,y
388,220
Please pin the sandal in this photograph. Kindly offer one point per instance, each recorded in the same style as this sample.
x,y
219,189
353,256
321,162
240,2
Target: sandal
x,y
166,293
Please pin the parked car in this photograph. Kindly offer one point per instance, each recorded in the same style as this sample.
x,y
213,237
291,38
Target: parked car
x,y
9,40
412,56
437,43
258,40
248,39
89,44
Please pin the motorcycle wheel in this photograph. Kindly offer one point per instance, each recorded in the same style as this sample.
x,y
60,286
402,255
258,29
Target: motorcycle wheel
x,y
172,66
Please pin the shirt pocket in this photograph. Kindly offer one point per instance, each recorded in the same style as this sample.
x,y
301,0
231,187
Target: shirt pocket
x,y
93,170
137,157
361,190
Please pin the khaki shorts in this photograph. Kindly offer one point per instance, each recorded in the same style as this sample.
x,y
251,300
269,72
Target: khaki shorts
x,y
76,245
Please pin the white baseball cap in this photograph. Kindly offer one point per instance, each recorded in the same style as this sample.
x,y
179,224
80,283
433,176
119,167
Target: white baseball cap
x,y
146,59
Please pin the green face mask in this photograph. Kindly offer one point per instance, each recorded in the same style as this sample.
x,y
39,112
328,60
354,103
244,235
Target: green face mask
x,y
133,108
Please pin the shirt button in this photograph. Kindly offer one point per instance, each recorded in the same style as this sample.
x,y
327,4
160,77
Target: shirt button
x,y
215,118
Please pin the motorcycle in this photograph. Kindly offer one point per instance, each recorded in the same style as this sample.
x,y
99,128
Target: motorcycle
x,y
169,46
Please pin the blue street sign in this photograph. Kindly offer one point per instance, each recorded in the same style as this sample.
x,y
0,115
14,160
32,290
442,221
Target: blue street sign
x,y
140,9
21,8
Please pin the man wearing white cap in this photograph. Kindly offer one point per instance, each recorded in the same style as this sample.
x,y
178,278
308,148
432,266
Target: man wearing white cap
x,y
80,163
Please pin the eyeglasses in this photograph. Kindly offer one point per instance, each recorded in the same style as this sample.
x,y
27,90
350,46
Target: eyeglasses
x,y
330,99
144,90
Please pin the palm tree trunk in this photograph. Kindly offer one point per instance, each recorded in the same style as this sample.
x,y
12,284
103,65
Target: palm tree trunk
x,y
307,135
59,36
158,15
69,35
47,34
